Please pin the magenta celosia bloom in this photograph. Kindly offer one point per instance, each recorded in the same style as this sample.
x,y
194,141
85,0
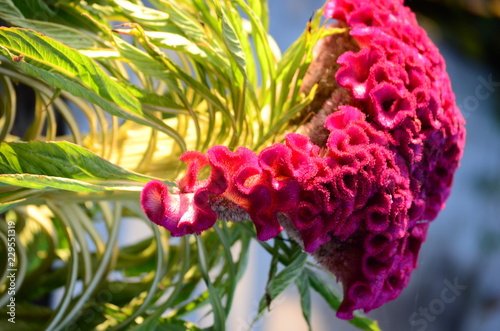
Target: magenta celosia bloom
x,y
360,198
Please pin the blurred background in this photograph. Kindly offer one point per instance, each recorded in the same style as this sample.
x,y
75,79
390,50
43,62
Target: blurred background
x,y
456,286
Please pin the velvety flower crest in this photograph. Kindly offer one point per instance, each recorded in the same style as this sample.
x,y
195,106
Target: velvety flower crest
x,y
361,202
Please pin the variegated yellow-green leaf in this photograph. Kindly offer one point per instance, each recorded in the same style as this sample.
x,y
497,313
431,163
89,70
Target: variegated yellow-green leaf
x,y
62,165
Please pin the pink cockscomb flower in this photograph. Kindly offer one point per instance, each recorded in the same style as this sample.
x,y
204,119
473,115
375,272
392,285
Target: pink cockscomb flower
x,y
358,187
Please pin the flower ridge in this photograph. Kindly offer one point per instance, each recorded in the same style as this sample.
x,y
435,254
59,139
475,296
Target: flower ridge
x,y
361,202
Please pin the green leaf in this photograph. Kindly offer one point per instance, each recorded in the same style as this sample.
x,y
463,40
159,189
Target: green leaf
x,y
69,70
39,182
192,303
64,34
10,198
182,264
8,9
143,61
4,206
177,42
261,39
164,103
261,9
231,280
202,53
282,280
123,292
147,17
302,284
61,165
165,68
233,44
215,300
34,8
186,23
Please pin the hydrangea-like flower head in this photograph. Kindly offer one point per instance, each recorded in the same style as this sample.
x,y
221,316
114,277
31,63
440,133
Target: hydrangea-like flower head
x,y
359,198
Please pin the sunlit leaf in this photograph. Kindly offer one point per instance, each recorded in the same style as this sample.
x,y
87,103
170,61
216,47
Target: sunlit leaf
x,y
233,44
142,14
61,165
69,70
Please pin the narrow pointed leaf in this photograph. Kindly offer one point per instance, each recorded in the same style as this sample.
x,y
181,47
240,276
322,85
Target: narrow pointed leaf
x,y
39,182
189,25
233,44
279,283
49,163
302,284
4,206
215,299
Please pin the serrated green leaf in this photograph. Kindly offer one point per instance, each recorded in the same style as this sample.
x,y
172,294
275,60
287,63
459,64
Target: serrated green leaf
x,y
61,165
51,55
67,35
69,70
